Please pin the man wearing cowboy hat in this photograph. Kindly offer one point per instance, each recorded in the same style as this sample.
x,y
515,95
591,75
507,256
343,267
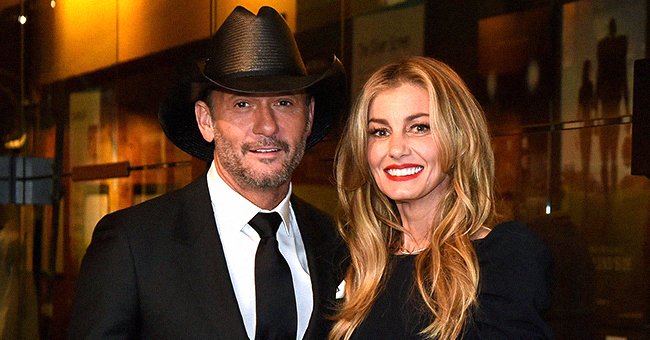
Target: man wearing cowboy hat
x,y
206,261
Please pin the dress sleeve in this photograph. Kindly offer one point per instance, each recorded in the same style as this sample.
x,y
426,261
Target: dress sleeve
x,y
105,302
514,288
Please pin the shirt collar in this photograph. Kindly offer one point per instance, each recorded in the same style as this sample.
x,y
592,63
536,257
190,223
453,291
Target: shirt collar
x,y
232,209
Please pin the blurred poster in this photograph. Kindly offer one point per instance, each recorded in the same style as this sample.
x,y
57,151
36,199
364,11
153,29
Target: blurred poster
x,y
384,36
600,41
515,68
89,200
84,122
601,37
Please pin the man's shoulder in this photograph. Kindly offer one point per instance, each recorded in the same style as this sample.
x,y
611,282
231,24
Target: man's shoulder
x,y
305,209
317,225
161,207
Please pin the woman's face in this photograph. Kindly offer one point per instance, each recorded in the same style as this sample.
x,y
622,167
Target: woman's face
x,y
403,154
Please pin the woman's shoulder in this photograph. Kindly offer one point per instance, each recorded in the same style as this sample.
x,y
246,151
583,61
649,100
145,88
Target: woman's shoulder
x,y
515,275
511,249
508,237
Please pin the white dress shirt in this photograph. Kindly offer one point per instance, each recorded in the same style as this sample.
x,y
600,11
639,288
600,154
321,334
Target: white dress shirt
x,y
239,241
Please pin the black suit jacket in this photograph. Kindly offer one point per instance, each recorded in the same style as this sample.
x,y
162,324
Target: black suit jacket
x,y
157,271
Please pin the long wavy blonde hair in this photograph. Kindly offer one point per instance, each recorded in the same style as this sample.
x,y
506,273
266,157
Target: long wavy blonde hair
x,y
447,272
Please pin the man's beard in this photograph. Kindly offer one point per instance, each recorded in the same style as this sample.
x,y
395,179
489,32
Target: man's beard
x,y
231,160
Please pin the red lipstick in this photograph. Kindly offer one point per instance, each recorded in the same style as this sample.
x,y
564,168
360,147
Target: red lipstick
x,y
403,172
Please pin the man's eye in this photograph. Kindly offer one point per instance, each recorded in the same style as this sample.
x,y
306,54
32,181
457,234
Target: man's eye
x,y
242,104
285,102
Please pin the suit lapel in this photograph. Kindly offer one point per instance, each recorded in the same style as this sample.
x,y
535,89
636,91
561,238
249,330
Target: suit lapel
x,y
311,238
326,257
205,264
307,234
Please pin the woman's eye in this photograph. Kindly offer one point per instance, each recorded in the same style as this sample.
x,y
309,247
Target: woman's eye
x,y
422,128
378,132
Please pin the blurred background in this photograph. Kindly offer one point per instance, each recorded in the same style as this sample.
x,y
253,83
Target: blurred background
x,y
81,83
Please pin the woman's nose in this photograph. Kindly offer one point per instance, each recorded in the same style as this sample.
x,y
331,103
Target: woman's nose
x,y
398,146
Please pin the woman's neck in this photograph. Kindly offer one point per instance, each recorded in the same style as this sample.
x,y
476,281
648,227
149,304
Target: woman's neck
x,y
417,222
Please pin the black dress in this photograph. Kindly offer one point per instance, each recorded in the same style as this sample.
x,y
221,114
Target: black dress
x,y
514,292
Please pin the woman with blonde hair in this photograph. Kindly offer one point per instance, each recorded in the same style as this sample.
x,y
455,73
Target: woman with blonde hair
x,y
415,173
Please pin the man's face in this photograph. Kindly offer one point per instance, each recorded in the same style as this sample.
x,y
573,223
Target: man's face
x,y
259,138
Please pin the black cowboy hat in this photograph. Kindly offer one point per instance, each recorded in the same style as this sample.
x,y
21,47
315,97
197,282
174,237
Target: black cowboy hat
x,y
251,54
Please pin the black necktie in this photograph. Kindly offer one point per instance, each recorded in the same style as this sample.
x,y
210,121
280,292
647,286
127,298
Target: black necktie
x,y
274,296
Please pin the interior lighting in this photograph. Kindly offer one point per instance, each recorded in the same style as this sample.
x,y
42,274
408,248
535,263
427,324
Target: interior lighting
x,y
22,19
17,143
52,3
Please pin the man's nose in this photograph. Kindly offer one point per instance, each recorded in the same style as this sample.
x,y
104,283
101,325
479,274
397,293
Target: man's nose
x,y
265,121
